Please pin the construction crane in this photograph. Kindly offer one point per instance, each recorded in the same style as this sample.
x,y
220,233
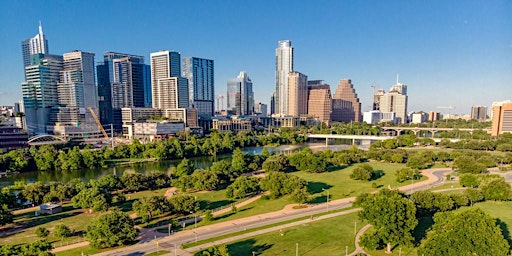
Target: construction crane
x,y
99,125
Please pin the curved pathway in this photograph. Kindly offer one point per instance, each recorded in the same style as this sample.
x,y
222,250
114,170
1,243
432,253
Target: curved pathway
x,y
360,249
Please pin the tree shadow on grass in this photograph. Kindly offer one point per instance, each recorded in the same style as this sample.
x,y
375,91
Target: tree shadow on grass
x,y
377,174
504,230
336,168
421,229
28,220
209,205
248,247
316,187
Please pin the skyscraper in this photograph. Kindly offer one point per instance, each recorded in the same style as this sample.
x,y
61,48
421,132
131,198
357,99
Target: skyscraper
x,y
200,75
240,95
76,89
479,113
284,65
396,101
40,90
319,101
297,94
122,82
34,45
169,89
501,118
345,103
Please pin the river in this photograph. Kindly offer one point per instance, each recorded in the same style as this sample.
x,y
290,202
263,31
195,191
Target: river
x,y
146,167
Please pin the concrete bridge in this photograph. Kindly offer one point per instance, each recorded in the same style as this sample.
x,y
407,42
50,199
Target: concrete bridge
x,y
431,130
363,138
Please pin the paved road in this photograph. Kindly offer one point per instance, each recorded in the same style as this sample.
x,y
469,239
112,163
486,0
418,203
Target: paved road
x,y
435,177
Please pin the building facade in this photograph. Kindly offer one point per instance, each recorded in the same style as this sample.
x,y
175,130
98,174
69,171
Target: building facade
x,y
122,82
396,101
34,45
284,65
345,103
200,75
479,113
240,96
169,89
297,94
319,101
433,116
39,90
501,118
260,109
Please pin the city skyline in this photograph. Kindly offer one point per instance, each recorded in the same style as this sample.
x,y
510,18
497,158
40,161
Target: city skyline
x,y
467,56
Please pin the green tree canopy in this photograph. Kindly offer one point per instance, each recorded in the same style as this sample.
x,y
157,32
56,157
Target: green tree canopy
x,y
111,229
392,215
467,232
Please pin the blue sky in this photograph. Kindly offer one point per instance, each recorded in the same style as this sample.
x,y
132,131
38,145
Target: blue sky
x,y
448,52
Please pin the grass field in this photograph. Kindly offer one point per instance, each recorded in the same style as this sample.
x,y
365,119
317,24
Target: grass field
x,y
86,250
339,184
325,237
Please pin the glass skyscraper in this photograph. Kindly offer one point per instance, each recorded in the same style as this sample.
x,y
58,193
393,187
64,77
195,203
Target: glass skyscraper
x,y
169,89
122,83
200,75
240,95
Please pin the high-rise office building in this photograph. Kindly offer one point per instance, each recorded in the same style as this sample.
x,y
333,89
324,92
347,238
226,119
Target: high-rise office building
x,y
169,89
200,75
34,45
396,101
40,90
297,94
284,65
76,90
479,113
319,101
501,118
240,95
345,103
376,99
122,83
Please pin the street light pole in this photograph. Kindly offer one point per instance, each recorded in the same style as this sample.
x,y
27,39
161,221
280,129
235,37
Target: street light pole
x,y
327,201
296,249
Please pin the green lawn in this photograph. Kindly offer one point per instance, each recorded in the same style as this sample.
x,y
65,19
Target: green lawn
x,y
446,185
325,237
340,185
86,250
75,219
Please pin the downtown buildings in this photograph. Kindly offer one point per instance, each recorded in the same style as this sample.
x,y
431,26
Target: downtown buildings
x,y
284,65
200,75
240,96
501,117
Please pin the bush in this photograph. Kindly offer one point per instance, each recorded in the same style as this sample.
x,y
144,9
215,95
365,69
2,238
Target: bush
x,y
62,231
42,232
359,173
371,240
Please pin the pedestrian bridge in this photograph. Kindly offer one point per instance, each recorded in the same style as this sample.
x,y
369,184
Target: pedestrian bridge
x,y
46,139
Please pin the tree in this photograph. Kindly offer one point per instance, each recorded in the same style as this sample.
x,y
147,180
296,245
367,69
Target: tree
x,y
37,248
91,198
467,164
111,229
276,163
42,232
204,180
467,232
391,214
134,181
406,174
243,187
424,201
61,231
362,172
496,189
6,216
469,180
35,192
238,163
300,195
474,195
218,250
184,203
185,167
280,184
148,207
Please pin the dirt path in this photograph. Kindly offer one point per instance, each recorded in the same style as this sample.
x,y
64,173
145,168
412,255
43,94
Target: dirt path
x,y
69,247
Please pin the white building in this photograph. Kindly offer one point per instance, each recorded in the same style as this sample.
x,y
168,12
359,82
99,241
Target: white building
x,y
284,65
168,89
419,117
36,44
152,130
375,117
